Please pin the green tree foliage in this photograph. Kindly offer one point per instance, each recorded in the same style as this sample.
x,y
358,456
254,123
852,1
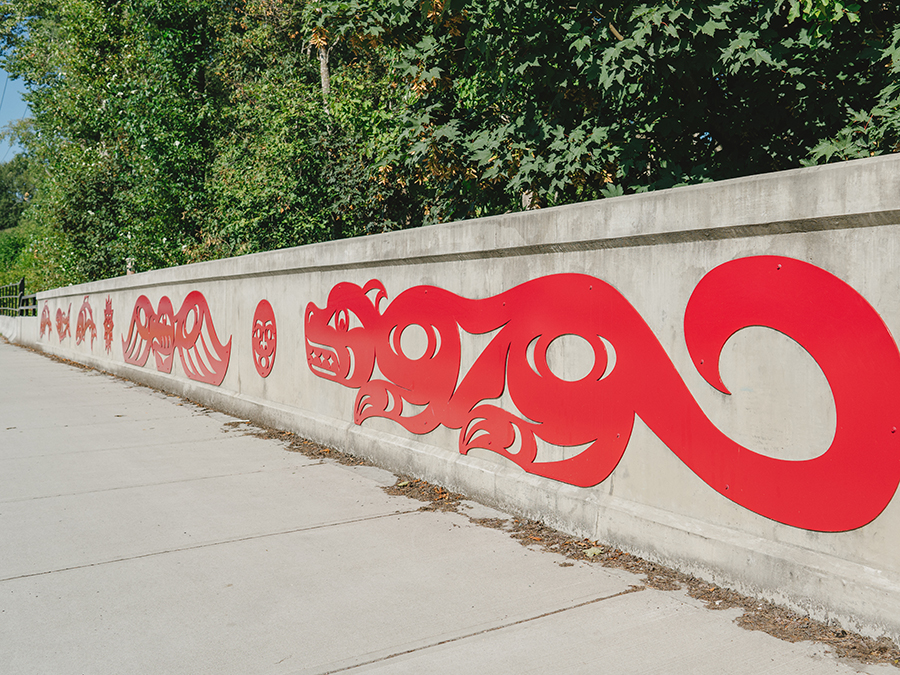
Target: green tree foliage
x,y
264,182
293,161
822,14
873,128
559,103
173,130
44,257
118,91
24,250
17,189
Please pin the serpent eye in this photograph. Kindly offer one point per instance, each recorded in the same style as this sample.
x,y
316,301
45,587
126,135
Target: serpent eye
x,y
344,320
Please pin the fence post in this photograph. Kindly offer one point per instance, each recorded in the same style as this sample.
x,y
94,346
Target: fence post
x,y
21,297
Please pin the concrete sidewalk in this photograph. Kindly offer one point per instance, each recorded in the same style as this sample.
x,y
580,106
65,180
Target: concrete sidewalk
x,y
142,534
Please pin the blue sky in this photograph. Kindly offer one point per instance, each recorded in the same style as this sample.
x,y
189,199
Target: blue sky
x,y
12,107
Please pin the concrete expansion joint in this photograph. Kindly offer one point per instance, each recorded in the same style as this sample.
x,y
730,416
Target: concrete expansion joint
x,y
210,544
459,638
139,485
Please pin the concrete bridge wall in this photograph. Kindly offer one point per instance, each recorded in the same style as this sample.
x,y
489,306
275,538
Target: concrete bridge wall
x,y
783,488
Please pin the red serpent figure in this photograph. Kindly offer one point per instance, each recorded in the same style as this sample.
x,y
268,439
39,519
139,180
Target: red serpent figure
x,y
844,488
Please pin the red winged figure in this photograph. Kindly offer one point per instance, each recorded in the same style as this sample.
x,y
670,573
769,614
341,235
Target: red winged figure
x,y
190,332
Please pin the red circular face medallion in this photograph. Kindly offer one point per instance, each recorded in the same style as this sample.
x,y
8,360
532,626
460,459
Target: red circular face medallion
x,y
264,339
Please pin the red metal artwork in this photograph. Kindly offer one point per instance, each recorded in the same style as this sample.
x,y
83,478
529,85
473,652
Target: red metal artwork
x,y
108,325
190,332
46,321
63,328
265,338
844,488
85,323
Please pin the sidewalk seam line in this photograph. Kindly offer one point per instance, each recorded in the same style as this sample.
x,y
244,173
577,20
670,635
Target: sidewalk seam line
x,y
208,545
630,589
115,448
144,485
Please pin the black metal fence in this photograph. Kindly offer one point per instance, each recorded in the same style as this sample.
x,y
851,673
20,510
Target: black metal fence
x,y
14,302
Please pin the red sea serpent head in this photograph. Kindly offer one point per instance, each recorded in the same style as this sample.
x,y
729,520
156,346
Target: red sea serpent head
x,y
341,338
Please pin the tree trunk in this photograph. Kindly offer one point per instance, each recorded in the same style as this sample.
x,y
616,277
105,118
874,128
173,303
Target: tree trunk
x,y
325,76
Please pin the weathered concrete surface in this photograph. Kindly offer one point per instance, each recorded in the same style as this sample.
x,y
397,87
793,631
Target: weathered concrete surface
x,y
144,534
653,249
